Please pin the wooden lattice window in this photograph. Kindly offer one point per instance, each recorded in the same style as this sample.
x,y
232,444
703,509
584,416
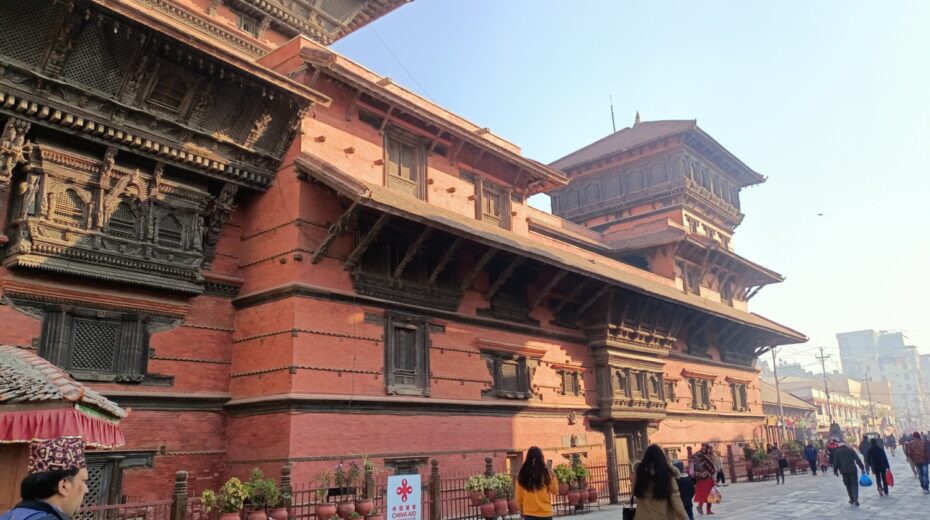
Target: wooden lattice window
x,y
406,355
70,209
122,221
700,393
623,382
168,93
170,232
509,374
405,165
669,390
738,394
249,24
94,344
570,383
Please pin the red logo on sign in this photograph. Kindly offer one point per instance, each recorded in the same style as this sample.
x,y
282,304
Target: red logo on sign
x,y
404,490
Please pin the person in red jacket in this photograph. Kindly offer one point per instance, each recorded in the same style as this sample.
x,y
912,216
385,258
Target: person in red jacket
x,y
918,451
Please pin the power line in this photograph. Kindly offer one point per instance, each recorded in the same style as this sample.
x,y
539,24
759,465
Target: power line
x,y
823,357
422,88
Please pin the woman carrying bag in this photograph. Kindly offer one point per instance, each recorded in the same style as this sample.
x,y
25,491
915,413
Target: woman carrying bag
x,y
535,486
656,488
878,461
704,471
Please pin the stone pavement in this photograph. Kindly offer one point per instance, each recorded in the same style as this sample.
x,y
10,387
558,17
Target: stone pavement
x,y
816,498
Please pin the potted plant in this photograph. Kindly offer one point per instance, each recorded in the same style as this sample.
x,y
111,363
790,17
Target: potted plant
x,y
507,492
486,508
496,486
475,487
323,510
263,495
229,500
565,475
374,515
365,504
581,478
345,507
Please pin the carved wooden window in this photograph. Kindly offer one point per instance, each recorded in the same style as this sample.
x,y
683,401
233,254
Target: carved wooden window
x,y
105,475
638,386
726,289
248,24
738,393
70,209
170,232
700,393
669,390
570,382
691,279
406,355
95,348
623,382
405,165
654,387
509,374
122,222
168,93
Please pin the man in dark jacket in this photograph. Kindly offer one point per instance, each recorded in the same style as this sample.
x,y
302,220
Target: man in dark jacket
x,y
810,455
685,489
55,484
918,453
864,450
845,460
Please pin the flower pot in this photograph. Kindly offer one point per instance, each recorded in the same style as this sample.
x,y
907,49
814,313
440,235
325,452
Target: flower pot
x,y
573,497
325,511
475,497
500,506
487,510
279,513
592,495
230,516
563,489
375,517
512,506
257,515
364,506
345,509
491,494
582,497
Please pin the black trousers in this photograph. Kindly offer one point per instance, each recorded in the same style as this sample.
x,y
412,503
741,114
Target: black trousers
x,y
851,481
813,464
721,478
780,474
880,480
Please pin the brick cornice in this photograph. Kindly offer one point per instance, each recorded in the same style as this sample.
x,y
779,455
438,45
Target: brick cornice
x,y
67,295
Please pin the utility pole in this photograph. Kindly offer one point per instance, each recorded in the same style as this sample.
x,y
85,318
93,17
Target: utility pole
x,y
781,411
868,378
823,358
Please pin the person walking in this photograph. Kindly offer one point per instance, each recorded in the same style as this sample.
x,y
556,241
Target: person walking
x,y
877,460
845,460
824,460
778,458
864,446
917,452
892,444
656,488
703,477
810,454
831,449
55,483
536,485
718,465
685,488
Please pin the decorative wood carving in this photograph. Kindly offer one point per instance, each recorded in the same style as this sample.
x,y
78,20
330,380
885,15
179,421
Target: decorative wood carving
x,y
546,289
220,211
479,265
334,231
502,279
14,149
444,261
411,252
366,241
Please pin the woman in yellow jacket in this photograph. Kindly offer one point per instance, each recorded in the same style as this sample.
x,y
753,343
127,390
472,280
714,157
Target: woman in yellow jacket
x,y
655,488
535,486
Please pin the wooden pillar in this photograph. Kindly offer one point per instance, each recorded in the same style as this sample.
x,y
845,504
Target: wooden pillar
x,y
287,491
613,475
435,491
179,497
732,462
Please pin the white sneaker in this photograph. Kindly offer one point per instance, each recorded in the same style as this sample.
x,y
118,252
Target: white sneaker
x,y
927,492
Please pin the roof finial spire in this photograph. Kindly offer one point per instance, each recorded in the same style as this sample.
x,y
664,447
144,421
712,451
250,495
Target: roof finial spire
x,y
636,121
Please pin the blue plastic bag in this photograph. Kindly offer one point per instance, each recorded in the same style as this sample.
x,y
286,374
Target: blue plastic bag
x,y
865,481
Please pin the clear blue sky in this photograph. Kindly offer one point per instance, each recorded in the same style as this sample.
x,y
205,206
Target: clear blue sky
x,y
829,99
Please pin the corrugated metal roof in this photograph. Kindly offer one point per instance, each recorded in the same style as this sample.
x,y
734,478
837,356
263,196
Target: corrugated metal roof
x,y
770,396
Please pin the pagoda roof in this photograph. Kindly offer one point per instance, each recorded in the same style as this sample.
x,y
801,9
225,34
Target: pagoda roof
x,y
648,132
570,258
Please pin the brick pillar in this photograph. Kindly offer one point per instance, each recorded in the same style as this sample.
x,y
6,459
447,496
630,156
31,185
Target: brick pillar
x,y
179,497
435,491
731,460
488,466
287,491
613,475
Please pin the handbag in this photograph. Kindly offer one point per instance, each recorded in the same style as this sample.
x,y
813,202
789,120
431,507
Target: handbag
x,y
714,497
629,512
865,481
889,478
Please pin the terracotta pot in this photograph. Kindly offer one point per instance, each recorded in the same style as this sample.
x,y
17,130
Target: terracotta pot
x,y
325,511
231,516
582,496
563,489
279,513
500,506
475,497
512,506
491,494
364,506
345,509
487,510
592,495
573,497
257,515
375,517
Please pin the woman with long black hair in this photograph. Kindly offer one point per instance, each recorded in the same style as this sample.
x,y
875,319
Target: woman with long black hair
x,y
535,486
656,488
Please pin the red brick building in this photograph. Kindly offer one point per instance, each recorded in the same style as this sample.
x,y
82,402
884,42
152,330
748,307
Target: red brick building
x,y
271,254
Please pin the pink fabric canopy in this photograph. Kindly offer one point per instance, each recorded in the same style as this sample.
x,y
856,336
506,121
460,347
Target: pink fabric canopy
x,y
25,426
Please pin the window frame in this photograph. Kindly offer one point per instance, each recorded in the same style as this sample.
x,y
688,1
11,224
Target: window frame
x,y
419,166
421,387
574,377
495,360
700,393
482,190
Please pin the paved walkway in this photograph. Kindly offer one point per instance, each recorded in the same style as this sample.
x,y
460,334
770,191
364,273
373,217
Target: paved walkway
x,y
816,498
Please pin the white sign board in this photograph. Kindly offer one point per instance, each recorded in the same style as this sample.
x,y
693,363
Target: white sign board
x,y
404,498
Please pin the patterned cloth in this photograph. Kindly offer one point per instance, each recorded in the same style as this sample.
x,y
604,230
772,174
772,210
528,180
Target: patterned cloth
x,y
60,454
